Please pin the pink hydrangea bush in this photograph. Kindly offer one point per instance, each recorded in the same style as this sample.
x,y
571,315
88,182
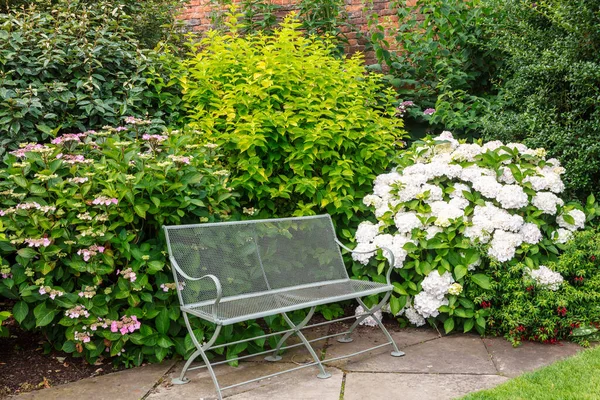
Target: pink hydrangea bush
x,y
82,251
449,210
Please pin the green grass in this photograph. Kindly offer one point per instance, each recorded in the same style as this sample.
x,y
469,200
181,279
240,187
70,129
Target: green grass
x,y
576,378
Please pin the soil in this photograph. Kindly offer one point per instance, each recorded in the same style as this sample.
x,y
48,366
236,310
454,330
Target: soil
x,y
24,366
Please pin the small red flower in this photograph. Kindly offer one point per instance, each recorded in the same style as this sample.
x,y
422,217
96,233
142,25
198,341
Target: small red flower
x,y
593,258
529,288
521,328
486,304
562,311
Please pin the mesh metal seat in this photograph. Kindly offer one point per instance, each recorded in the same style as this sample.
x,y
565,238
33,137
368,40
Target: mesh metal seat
x,y
236,271
238,309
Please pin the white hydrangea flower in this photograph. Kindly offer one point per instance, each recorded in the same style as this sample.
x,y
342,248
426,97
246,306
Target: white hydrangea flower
x,y
455,289
435,192
467,152
545,277
372,200
414,317
493,145
445,212
507,176
512,197
364,258
427,305
437,285
562,235
531,233
547,202
367,231
488,186
504,244
577,215
407,221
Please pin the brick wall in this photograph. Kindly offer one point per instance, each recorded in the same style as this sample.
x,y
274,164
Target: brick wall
x,y
198,17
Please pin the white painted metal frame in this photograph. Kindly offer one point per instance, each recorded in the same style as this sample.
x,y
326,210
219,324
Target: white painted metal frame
x,y
201,349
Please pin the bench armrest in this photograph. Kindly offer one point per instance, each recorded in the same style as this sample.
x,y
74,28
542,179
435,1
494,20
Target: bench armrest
x,y
215,280
389,256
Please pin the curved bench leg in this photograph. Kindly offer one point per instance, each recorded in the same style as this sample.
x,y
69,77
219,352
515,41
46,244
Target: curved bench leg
x,y
370,312
200,352
322,373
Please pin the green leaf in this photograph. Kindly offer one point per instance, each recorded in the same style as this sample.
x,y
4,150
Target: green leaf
x,y
460,271
162,321
395,305
449,325
20,311
27,253
140,209
469,325
43,315
482,280
584,331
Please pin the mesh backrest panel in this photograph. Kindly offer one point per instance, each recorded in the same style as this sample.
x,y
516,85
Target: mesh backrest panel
x,y
293,251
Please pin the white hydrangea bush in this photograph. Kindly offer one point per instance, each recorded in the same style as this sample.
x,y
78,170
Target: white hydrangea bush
x,y
448,210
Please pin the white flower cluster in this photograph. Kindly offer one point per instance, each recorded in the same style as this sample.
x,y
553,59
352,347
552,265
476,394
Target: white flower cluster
x,y
457,182
545,277
496,223
435,288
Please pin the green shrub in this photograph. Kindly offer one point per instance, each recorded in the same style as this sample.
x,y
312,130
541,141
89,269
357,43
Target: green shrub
x,y
437,58
302,131
72,66
550,86
523,311
82,244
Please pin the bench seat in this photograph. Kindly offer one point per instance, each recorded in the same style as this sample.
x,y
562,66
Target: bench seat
x,y
257,305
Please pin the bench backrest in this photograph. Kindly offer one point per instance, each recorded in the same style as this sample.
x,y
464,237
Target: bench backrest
x,y
253,256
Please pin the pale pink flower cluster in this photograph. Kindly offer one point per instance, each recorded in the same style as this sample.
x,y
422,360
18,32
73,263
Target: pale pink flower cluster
x,y
78,179
43,242
180,159
90,252
128,274
69,137
73,159
76,312
103,200
84,337
31,148
154,138
88,292
5,272
170,286
137,121
52,293
125,325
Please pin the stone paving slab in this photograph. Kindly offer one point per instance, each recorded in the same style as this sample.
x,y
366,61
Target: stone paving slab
x,y
131,384
360,386
450,354
301,384
513,361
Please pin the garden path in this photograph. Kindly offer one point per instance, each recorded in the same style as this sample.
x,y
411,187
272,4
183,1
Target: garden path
x,y
434,367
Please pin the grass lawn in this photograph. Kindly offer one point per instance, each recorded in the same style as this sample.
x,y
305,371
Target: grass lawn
x,y
575,378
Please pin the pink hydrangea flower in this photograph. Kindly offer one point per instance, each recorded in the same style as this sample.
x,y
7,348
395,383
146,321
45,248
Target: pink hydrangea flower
x,y
103,200
429,111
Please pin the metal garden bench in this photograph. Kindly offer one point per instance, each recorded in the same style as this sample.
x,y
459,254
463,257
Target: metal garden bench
x,y
237,271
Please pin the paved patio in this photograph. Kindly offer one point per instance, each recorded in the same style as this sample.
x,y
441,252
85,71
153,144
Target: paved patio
x,y
434,367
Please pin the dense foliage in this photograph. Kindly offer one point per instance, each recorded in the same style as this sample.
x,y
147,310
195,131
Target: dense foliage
x,y
452,211
83,253
522,310
550,86
70,65
437,58
303,132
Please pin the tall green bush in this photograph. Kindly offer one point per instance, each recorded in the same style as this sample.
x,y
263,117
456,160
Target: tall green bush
x,y
303,132
550,87
438,59
70,65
